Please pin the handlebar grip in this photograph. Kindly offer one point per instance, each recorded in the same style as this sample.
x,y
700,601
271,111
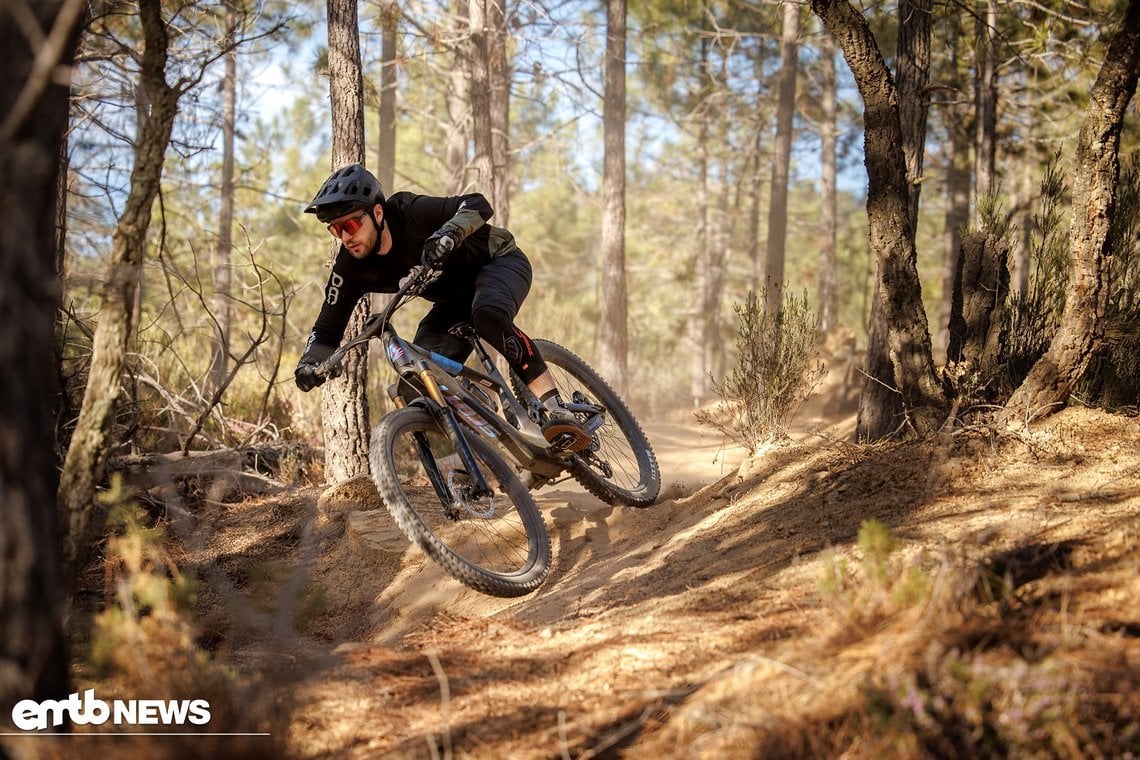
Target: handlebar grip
x,y
330,367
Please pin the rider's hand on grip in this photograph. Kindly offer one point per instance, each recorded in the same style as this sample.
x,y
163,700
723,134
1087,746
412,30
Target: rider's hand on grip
x,y
307,377
438,246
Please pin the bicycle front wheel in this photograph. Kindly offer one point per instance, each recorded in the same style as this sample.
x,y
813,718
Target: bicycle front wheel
x,y
495,544
619,466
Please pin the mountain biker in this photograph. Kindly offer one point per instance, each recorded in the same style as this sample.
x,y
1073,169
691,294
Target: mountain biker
x,y
476,273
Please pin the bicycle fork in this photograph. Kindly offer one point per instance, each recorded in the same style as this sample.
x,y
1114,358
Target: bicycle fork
x,y
443,412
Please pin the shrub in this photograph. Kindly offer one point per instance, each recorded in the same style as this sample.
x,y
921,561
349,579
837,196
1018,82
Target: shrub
x,y
1112,378
1031,318
885,581
777,367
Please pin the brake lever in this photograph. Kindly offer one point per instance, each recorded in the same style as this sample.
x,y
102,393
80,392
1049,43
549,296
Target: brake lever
x,y
330,367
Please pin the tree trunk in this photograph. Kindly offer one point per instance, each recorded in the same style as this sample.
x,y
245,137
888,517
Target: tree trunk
x,y
698,325
828,132
1024,229
386,130
904,338
755,176
913,65
480,96
614,351
957,217
84,466
344,401
33,648
881,413
755,182
981,287
222,305
499,78
985,101
720,243
781,160
458,108
1095,175
957,189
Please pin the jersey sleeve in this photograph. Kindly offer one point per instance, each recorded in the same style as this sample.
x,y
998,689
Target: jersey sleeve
x,y
462,215
342,291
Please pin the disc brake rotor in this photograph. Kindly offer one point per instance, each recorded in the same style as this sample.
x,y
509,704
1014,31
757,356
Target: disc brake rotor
x,y
460,485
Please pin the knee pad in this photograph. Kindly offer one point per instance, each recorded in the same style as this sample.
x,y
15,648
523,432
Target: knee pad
x,y
497,328
491,324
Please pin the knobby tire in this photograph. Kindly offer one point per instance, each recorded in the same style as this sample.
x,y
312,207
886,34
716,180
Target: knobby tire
x,y
499,547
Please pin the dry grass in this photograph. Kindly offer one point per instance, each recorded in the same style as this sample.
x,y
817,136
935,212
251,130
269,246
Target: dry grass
x,y
991,612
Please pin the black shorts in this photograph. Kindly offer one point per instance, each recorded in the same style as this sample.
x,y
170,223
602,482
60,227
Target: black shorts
x,y
490,301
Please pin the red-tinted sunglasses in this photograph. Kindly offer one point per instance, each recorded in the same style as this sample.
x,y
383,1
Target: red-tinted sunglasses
x,y
350,225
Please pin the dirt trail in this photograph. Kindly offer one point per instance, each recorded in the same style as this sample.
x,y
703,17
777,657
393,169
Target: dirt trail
x,y
699,627
651,619
582,530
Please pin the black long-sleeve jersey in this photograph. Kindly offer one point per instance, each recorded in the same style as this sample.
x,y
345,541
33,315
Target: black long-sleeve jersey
x,y
411,219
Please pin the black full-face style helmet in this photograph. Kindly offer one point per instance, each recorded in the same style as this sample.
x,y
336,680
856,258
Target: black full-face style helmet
x,y
347,189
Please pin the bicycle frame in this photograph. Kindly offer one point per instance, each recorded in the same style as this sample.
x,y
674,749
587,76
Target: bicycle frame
x,y
453,391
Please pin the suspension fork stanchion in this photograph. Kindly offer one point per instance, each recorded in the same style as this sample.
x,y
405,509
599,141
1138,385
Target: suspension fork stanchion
x,y
431,467
454,432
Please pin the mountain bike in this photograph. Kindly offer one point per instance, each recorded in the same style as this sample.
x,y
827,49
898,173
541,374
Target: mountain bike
x,y
440,458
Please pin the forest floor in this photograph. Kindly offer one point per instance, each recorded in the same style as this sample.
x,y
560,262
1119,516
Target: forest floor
x,y
753,612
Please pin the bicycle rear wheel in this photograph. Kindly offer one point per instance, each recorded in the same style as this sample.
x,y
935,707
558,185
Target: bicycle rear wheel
x,y
619,467
497,545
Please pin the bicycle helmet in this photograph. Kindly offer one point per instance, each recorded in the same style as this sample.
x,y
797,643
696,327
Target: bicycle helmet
x,y
347,189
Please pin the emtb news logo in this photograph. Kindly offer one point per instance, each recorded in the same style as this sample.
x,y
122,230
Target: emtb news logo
x,y
29,715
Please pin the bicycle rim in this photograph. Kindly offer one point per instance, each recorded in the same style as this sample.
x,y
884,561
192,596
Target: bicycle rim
x,y
497,545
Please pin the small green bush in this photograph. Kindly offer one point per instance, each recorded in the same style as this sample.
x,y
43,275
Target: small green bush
x,y
1031,318
777,367
1112,378
883,583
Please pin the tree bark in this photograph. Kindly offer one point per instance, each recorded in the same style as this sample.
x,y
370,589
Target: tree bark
x,y
344,401
720,243
829,130
904,339
458,109
981,287
913,67
614,351
781,160
85,464
1019,279
1095,175
33,648
755,173
957,187
386,130
480,96
499,78
985,101
699,333
223,272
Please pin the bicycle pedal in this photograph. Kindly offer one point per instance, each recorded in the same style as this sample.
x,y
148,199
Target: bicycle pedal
x,y
568,438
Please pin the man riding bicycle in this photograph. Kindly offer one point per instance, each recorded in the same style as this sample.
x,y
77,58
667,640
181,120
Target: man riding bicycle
x,y
478,275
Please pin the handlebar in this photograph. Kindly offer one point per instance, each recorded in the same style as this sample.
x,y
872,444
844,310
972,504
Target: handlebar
x,y
411,287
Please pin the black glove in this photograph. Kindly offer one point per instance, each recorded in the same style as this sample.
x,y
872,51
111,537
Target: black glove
x,y
441,243
307,377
